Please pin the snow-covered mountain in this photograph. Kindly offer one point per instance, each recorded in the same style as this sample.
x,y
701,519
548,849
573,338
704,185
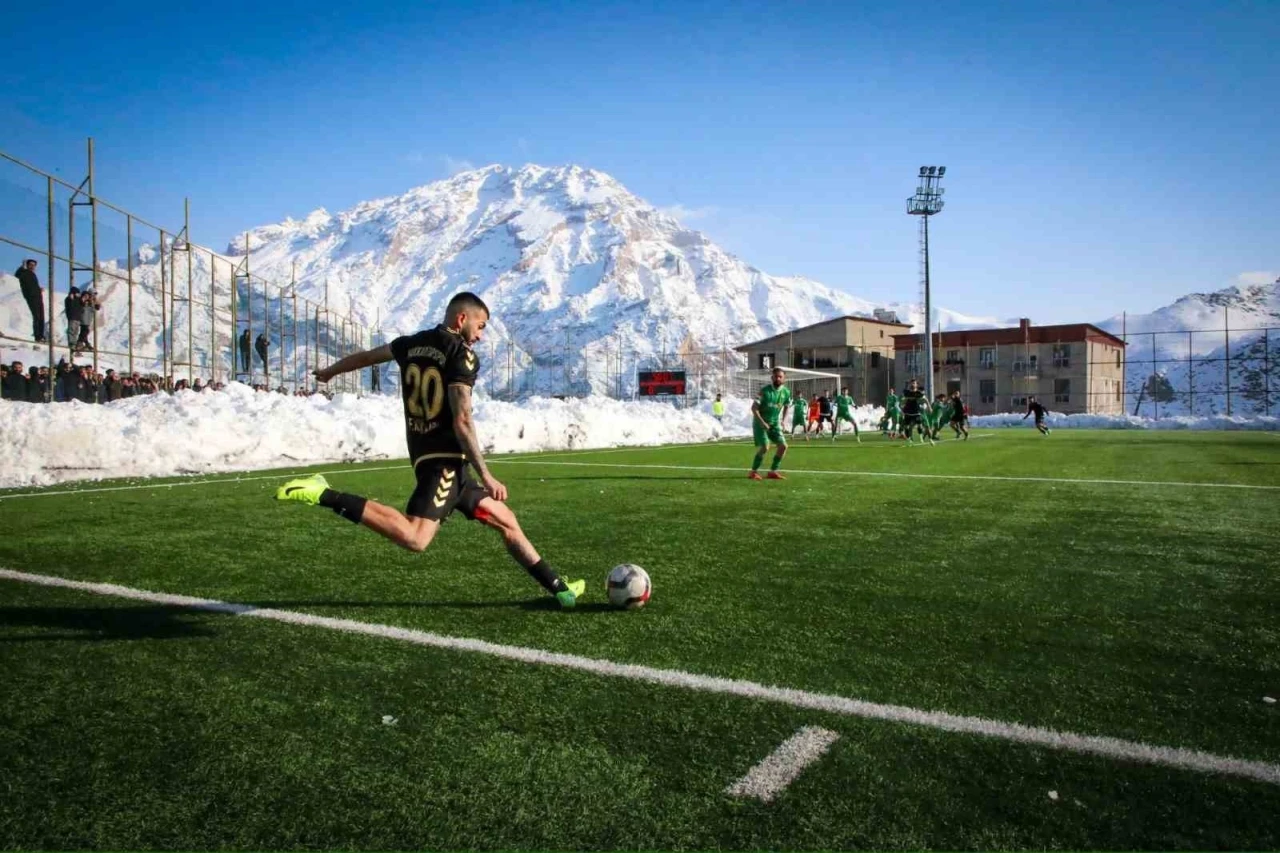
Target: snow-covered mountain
x,y
587,282
568,258
576,268
1200,345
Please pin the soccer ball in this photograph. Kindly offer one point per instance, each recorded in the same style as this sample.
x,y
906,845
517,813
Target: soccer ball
x,y
629,586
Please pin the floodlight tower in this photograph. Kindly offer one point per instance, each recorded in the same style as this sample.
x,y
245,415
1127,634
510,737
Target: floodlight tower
x,y
925,203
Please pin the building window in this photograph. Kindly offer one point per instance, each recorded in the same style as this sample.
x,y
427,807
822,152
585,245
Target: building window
x,y
987,358
1117,358
987,390
1117,384
1062,355
875,360
1019,402
882,333
1062,390
912,361
766,360
953,356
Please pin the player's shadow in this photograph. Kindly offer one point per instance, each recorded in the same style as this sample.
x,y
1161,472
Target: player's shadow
x,y
534,604
674,476
97,624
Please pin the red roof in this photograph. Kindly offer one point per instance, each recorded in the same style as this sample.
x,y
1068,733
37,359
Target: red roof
x,y
1027,334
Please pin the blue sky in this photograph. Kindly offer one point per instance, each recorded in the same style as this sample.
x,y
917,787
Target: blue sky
x,y
1101,156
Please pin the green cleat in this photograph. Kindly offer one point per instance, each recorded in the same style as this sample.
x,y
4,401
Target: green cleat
x,y
570,596
306,490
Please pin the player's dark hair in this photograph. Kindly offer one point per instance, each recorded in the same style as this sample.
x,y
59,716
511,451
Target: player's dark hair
x,y
778,370
465,301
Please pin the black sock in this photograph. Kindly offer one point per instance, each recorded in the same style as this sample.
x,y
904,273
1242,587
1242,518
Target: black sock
x,y
546,576
350,507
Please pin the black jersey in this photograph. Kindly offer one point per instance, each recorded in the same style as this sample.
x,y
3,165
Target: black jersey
x,y
911,401
430,361
1039,410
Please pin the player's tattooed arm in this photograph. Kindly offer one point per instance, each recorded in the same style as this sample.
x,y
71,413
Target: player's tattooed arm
x,y
464,427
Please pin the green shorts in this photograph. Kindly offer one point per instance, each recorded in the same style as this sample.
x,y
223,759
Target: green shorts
x,y
771,436
844,416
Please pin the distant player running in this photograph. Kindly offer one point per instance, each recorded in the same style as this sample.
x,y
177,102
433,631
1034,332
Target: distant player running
x,y
844,412
799,415
438,368
959,417
765,412
1034,408
815,413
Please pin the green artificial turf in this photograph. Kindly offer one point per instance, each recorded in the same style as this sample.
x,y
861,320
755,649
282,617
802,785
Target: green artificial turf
x,y
1134,610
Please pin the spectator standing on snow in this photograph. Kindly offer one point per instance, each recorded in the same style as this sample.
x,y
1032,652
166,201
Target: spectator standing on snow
x,y
34,294
261,345
14,385
244,351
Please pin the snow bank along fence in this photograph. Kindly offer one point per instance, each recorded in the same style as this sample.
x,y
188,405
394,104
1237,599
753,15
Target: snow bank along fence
x,y
170,306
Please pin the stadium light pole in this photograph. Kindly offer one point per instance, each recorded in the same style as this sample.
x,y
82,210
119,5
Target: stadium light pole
x,y
925,203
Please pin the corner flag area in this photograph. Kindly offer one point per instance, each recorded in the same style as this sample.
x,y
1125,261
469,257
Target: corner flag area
x,y
1015,641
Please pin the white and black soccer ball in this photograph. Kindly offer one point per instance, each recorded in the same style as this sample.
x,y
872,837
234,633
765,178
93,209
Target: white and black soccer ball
x,y
629,586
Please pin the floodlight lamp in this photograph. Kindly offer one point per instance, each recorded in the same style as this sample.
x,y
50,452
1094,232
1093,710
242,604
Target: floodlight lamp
x,y
942,170
933,169
924,170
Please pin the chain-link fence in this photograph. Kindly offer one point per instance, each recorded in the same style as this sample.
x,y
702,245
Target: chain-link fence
x,y
117,291
1226,371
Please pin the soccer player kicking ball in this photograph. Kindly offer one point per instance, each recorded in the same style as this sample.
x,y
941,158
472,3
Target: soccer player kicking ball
x,y
844,412
1034,408
765,412
438,370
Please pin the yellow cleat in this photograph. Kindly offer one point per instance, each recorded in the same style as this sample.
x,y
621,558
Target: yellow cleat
x,y
305,490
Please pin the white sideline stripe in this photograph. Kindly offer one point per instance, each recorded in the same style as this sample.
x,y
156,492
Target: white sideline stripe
x,y
1107,747
780,768
898,474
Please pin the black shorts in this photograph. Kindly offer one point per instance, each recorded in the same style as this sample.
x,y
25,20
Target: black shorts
x,y
824,418
443,486
959,420
909,419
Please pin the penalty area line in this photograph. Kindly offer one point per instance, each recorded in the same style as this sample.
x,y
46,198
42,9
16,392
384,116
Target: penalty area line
x,y
1097,745
780,768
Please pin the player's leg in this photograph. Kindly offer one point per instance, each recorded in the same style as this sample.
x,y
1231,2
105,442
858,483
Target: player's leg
x,y
779,451
478,505
411,533
762,446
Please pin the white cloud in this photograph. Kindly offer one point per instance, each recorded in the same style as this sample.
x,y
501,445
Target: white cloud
x,y
453,165
687,214
1257,277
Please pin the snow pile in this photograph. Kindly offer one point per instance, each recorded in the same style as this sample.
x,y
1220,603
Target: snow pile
x,y
1056,420
240,430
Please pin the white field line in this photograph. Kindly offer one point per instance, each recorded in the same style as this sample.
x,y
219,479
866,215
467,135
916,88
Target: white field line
x,y
790,471
517,457
1106,747
780,768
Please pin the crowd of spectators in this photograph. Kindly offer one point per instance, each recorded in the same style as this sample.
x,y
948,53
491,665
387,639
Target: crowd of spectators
x,y
79,382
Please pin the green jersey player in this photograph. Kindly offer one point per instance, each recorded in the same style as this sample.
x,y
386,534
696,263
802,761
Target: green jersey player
x,y
844,412
892,414
765,412
799,415
941,413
